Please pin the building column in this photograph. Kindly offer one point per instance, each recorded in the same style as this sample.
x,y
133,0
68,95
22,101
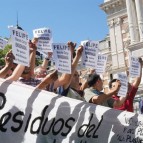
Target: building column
x,y
111,25
140,17
132,21
119,42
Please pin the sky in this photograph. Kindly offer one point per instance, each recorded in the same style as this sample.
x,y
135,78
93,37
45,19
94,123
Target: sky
x,y
69,20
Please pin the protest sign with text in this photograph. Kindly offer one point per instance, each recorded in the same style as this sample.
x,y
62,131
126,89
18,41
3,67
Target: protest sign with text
x,y
44,36
124,84
62,57
20,46
3,43
134,70
90,54
28,115
101,64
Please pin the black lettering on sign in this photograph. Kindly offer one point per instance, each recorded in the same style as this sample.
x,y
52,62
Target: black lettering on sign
x,y
20,122
89,129
140,131
20,34
84,125
61,122
96,136
40,118
3,121
44,124
68,126
92,127
27,123
3,100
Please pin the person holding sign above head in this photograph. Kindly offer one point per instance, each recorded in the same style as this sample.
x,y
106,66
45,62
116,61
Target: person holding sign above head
x,y
132,90
94,95
41,71
68,84
24,74
9,57
27,76
72,46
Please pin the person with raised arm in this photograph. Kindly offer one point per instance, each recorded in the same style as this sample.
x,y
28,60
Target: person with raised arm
x,y
94,93
132,90
9,57
68,84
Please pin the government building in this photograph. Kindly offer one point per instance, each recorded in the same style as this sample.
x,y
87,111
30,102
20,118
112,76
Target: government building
x,y
125,22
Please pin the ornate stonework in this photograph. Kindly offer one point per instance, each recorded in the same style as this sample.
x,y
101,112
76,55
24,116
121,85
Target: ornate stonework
x,y
125,21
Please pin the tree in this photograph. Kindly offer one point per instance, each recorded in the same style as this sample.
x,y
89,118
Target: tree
x,y
3,53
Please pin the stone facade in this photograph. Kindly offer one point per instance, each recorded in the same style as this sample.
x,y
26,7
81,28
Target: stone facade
x,y
125,21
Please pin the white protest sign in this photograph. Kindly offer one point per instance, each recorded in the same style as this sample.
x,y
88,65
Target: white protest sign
x,y
20,46
90,54
28,115
3,43
62,57
124,84
134,70
101,64
44,36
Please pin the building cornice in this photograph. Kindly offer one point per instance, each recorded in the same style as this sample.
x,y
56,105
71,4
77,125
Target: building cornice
x,y
135,46
121,13
114,71
112,6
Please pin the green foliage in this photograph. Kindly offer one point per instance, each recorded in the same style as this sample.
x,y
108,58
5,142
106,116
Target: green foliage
x,y
3,53
38,62
7,49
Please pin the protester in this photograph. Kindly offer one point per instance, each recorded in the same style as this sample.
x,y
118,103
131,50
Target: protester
x,y
49,79
26,74
94,95
68,84
132,90
41,71
9,57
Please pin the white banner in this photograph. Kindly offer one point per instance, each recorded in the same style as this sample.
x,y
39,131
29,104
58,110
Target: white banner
x,y
62,57
101,64
28,115
20,46
124,84
44,36
90,54
3,43
134,70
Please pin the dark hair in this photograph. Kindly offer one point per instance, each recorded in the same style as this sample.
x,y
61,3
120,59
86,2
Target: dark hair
x,y
110,83
26,70
92,79
74,53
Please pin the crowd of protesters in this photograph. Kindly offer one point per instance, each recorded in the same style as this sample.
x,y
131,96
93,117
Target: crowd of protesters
x,y
69,85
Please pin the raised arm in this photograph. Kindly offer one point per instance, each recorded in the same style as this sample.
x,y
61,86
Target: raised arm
x,y
46,60
101,98
33,48
138,79
47,80
20,68
16,73
65,79
8,64
84,83
118,103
